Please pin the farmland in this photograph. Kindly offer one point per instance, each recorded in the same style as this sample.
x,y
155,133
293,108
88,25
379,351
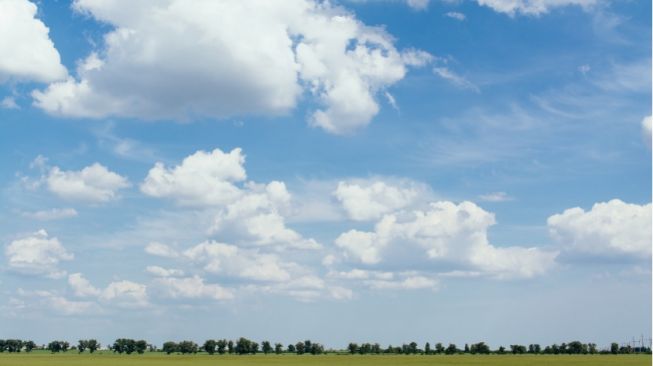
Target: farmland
x,y
155,359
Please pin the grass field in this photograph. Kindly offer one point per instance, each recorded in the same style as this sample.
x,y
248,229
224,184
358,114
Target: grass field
x,y
155,359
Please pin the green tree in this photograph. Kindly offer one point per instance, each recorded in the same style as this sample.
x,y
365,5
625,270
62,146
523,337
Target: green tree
x,y
439,348
186,347
517,349
451,349
243,346
300,349
82,344
266,347
140,346
352,348
278,348
291,348
209,346
170,347
29,346
92,345
222,346
316,349
614,348
480,348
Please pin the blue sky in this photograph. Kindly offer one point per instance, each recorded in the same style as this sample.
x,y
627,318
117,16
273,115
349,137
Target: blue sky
x,y
382,171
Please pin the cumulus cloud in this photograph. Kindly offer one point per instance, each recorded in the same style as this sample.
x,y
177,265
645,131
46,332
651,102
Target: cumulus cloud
x,y
246,211
192,288
164,272
203,178
52,301
445,233
94,183
237,262
608,229
306,288
370,199
532,7
51,214
646,129
161,250
27,52
254,270
37,254
126,294
177,59
81,286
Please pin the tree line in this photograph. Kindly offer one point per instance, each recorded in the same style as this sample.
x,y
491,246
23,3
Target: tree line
x,y
244,346
571,348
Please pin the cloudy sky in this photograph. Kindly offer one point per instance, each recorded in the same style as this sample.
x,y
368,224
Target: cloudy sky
x,y
382,171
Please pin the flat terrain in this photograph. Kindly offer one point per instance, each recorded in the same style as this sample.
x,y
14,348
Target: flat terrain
x,y
155,359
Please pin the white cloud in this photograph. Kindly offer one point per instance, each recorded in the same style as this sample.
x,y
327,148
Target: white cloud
x,y
533,7
204,178
409,283
53,302
455,79
381,280
306,288
608,229
415,57
52,214
243,263
164,272
177,59
646,129
37,254
584,69
9,103
81,286
448,233
256,219
370,199
247,212
418,4
391,100
340,293
192,288
364,246
125,294
161,250
456,15
94,183
26,49
495,197
70,307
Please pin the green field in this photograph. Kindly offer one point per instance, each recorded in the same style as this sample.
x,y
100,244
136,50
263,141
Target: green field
x,y
154,359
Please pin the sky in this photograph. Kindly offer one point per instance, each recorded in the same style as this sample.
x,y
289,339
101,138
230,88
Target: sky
x,y
345,171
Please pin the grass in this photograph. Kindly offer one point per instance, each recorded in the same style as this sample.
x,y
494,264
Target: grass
x,y
156,359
